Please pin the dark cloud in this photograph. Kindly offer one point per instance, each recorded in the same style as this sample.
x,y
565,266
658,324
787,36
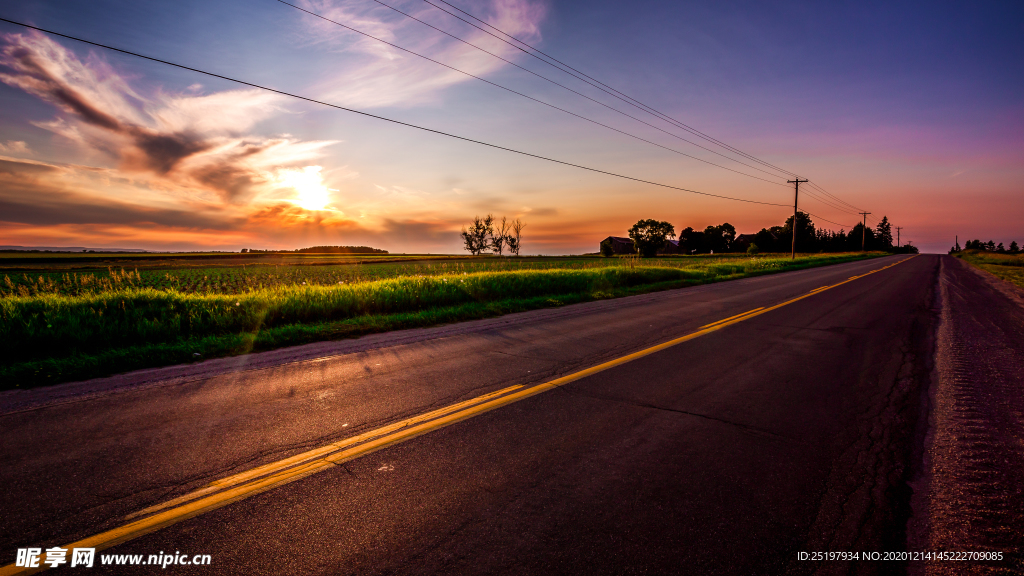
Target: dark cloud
x,y
412,231
35,78
25,199
22,169
160,153
147,149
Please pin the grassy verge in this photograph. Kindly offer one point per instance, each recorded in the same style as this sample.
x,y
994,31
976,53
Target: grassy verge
x,y
51,338
1008,267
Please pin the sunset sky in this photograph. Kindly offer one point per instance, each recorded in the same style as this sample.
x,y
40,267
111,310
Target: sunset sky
x,y
915,112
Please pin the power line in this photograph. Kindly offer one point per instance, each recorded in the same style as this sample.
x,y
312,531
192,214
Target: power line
x,y
829,221
439,63
827,202
393,121
836,198
548,59
562,66
563,86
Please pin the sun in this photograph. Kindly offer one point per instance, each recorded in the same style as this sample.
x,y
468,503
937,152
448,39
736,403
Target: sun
x,y
310,191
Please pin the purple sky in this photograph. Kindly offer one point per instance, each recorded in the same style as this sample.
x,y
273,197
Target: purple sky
x,y
913,111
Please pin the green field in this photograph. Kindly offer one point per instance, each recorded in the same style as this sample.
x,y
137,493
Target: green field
x,y
1009,267
61,322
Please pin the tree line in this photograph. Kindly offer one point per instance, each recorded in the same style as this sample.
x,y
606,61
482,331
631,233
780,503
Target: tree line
x,y
812,239
488,234
321,250
650,236
989,246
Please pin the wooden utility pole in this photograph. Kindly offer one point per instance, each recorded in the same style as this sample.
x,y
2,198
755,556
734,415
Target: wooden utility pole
x,y
898,228
796,196
863,229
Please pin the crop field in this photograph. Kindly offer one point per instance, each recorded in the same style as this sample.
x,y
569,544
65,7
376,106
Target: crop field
x,y
64,324
1009,267
203,277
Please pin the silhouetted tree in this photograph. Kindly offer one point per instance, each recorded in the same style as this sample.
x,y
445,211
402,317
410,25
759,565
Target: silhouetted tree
x,y
692,241
766,240
1013,247
719,238
883,236
515,239
478,235
805,236
499,236
853,240
649,236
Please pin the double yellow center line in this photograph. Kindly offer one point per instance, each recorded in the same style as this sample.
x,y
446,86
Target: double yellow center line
x,y
251,482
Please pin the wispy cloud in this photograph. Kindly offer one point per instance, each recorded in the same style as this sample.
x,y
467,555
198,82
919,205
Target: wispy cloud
x,y
14,147
192,169
374,74
195,141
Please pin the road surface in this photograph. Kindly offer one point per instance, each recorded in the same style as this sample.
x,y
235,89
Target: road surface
x,y
793,429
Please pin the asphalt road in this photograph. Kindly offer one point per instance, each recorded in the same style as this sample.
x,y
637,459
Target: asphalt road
x,y
796,430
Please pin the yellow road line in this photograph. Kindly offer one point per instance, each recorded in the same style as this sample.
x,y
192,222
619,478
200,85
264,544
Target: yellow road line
x,y
263,478
729,318
279,465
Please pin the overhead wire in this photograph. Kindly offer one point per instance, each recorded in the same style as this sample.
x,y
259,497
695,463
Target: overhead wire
x,y
383,118
563,86
823,219
516,92
558,64
827,202
828,199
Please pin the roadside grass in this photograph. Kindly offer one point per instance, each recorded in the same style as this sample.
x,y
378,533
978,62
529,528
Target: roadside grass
x,y
52,336
200,277
1008,267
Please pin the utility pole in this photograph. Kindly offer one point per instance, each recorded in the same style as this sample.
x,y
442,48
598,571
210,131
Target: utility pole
x,y
898,228
796,196
863,229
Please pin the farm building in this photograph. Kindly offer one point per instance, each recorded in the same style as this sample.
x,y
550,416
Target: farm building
x,y
617,245
613,245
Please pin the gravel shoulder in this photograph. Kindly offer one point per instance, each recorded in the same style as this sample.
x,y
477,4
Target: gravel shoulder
x,y
970,495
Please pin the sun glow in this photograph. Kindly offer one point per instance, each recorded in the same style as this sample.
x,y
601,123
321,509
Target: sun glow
x,y
310,191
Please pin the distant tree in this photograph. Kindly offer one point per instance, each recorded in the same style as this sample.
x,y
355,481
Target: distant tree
x,y
515,239
692,241
478,235
720,237
1000,248
499,235
341,250
853,240
1013,247
765,240
991,246
805,235
752,249
649,236
883,236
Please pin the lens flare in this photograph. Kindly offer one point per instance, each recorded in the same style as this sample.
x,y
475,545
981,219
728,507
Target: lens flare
x,y
310,191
